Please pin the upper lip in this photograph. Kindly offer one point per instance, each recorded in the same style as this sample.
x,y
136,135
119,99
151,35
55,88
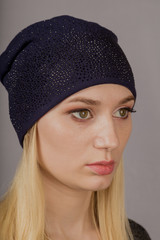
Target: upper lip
x,y
104,163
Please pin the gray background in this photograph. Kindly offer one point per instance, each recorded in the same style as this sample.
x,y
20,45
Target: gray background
x,y
137,25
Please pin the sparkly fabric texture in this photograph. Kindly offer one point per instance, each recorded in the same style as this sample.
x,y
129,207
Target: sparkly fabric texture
x,y
139,233
52,59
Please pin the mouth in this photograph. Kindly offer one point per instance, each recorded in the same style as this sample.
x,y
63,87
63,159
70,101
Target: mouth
x,y
102,167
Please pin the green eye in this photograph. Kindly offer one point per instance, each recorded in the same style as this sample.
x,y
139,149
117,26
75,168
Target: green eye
x,y
84,114
122,113
81,114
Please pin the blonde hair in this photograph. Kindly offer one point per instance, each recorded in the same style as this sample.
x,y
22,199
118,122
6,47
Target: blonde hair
x,y
22,209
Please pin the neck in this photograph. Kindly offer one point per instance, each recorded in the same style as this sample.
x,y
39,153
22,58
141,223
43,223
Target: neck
x,y
68,210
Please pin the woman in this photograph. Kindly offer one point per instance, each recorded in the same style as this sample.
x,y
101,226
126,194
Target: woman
x,y
71,94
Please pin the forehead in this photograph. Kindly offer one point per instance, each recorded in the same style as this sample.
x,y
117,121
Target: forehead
x,y
100,93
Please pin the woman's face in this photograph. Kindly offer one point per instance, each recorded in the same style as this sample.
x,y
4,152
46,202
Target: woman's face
x,y
79,132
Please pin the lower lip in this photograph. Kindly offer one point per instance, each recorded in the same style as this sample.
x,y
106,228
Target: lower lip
x,y
101,169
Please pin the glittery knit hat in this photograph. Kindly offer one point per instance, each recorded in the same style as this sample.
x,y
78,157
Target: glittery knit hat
x,y
52,59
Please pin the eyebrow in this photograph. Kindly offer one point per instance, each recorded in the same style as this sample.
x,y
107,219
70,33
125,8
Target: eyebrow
x,y
90,101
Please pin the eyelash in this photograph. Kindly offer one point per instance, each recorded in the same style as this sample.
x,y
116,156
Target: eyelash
x,y
84,109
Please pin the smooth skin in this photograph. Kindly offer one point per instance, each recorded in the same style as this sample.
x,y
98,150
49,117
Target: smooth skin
x,y
67,141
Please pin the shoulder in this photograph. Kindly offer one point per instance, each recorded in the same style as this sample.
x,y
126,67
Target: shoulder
x,y
139,233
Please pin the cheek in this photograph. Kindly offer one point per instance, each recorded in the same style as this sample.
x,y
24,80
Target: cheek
x,y
124,132
58,144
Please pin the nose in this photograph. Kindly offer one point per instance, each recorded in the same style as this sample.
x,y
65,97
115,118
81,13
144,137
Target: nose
x,y
106,135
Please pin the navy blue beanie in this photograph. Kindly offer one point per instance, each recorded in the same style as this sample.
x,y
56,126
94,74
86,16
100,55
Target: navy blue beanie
x,y
50,60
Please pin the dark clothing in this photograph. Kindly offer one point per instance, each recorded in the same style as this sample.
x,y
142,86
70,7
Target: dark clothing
x,y
139,233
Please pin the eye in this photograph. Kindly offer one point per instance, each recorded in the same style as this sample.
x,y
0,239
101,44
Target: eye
x,y
123,112
81,113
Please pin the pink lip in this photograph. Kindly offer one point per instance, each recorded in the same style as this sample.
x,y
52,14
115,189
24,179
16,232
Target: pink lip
x,y
102,167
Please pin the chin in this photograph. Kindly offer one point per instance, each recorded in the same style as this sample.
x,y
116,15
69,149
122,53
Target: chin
x,y
100,184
